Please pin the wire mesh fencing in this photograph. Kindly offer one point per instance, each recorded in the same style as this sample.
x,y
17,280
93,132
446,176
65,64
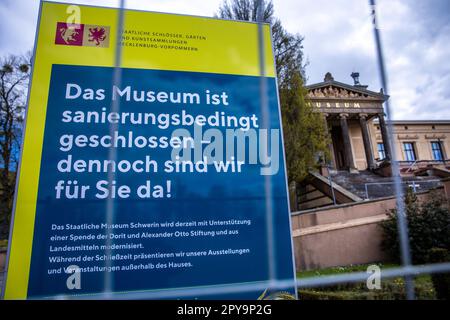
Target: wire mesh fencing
x,y
396,187
375,190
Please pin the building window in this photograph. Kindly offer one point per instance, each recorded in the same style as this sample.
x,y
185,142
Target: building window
x,y
381,151
436,149
410,154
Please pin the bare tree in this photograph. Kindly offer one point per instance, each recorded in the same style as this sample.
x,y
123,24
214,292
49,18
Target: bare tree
x,y
288,47
305,135
246,10
14,79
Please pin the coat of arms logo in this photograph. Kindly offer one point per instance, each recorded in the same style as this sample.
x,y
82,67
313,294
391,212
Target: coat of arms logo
x,y
82,35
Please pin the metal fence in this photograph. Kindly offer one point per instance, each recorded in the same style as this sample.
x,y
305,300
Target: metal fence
x,y
406,270
380,189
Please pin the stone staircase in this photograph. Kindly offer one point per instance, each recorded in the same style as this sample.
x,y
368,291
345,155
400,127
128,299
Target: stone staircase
x,y
368,185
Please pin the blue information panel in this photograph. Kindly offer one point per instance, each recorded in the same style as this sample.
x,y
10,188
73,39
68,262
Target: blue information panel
x,y
177,223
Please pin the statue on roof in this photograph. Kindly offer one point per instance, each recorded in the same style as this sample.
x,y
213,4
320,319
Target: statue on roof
x,y
328,77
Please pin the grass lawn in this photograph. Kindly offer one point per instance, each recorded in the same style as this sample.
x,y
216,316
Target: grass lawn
x,y
391,289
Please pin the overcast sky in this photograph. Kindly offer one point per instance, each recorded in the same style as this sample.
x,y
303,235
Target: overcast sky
x,y
338,39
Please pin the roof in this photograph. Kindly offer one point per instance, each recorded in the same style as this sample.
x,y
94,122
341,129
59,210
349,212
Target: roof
x,y
360,89
412,122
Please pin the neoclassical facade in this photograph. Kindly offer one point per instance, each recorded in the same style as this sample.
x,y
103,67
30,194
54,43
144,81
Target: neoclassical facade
x,y
347,110
355,120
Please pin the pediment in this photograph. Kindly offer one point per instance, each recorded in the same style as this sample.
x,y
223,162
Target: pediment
x,y
336,90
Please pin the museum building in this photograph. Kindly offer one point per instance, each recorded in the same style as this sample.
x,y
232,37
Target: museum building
x,y
354,117
360,152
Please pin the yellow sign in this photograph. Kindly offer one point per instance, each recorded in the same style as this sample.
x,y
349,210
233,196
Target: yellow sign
x,y
85,36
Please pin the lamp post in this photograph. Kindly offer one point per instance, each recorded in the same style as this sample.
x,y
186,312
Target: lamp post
x,y
327,164
331,183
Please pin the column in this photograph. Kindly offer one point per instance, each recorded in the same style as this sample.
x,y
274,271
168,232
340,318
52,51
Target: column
x,y
349,163
330,145
384,136
366,140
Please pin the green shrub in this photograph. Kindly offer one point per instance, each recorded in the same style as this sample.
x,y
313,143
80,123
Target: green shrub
x,y
441,282
428,226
